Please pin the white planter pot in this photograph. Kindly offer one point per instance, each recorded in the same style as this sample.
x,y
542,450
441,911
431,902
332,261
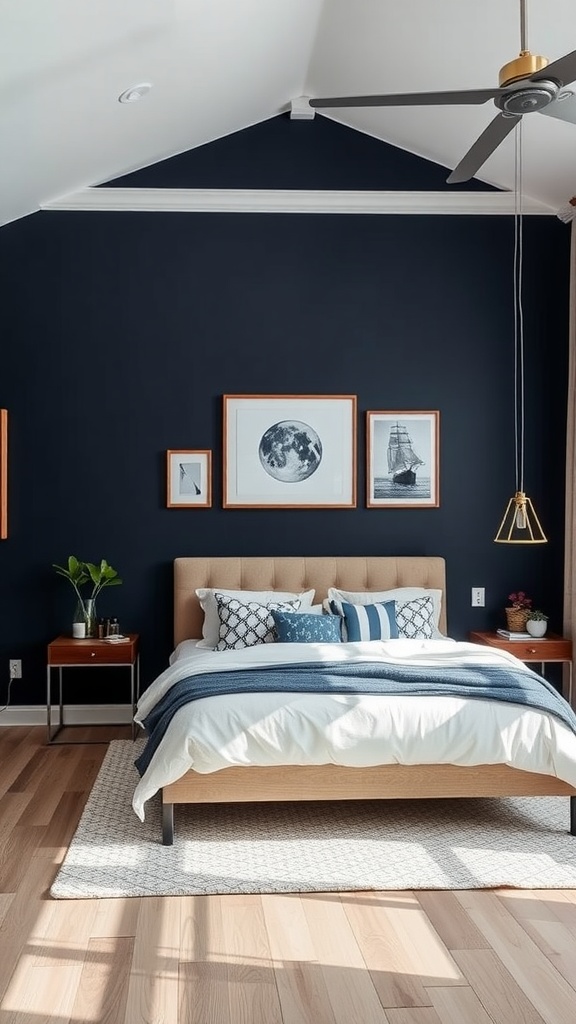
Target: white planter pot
x,y
536,627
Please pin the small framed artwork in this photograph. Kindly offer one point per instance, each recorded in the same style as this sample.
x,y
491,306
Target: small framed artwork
x,y
3,474
189,478
402,459
289,451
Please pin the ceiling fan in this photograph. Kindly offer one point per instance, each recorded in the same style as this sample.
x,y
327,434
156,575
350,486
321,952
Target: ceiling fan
x,y
527,84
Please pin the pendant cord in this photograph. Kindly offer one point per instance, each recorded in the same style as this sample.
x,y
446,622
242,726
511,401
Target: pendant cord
x,y
518,312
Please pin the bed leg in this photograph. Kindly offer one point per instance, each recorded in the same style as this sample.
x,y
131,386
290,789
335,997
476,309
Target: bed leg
x,y
167,824
573,815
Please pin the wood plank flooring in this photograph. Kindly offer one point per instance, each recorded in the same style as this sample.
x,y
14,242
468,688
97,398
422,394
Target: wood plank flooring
x,y
475,957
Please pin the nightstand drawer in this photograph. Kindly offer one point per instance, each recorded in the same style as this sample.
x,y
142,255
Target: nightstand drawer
x,y
540,650
65,651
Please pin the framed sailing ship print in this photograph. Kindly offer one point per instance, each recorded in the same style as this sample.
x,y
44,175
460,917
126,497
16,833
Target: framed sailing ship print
x,y
289,451
402,459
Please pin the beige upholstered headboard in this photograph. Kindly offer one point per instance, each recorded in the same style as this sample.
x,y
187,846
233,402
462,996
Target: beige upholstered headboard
x,y
374,572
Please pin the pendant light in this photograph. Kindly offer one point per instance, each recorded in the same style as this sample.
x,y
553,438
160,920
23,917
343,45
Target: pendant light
x,y
520,524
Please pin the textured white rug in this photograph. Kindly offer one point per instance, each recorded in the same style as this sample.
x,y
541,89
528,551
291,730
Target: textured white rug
x,y
311,847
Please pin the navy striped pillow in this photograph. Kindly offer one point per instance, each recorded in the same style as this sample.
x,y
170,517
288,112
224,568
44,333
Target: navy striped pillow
x,y
368,621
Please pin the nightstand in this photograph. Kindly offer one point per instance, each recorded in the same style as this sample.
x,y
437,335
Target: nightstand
x,y
551,648
66,652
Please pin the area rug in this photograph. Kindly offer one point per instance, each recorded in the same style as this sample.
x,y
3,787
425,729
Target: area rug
x,y
311,847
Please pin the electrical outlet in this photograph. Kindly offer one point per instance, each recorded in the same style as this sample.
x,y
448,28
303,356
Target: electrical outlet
x,y
477,597
15,668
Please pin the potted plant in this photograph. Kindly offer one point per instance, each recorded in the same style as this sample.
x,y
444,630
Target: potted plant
x,y
518,611
79,574
537,623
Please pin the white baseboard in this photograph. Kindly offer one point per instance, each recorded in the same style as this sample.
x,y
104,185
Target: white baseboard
x,y
75,714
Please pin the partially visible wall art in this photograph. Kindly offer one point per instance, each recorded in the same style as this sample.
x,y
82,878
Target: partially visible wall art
x,y
289,451
3,474
402,449
189,483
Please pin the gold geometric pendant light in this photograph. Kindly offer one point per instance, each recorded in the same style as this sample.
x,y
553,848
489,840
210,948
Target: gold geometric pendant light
x,y
520,524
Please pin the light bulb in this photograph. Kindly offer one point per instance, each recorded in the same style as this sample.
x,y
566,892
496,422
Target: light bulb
x,y
520,515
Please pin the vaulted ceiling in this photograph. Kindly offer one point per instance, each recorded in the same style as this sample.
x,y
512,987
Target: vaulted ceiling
x,y
217,66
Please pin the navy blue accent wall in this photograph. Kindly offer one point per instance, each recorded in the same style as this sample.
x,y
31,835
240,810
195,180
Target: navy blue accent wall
x,y
281,153
121,332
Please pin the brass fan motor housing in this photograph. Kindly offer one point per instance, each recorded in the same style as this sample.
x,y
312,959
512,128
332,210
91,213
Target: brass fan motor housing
x,y
522,67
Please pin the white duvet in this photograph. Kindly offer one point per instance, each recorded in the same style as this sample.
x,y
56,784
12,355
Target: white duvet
x,y
347,729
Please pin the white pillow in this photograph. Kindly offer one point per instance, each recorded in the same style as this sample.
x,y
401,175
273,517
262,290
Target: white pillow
x,y
185,649
211,625
398,594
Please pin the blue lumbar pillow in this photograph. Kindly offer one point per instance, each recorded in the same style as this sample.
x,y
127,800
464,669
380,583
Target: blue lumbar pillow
x,y
299,628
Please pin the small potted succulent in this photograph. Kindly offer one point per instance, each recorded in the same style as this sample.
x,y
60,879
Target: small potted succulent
x,y
518,611
537,623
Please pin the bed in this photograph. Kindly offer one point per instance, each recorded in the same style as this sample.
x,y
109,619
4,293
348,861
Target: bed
x,y
179,783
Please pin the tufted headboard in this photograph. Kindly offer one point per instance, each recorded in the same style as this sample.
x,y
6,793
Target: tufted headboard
x,y
373,572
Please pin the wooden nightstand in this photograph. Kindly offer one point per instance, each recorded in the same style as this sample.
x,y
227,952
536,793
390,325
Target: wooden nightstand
x,y
550,648
65,652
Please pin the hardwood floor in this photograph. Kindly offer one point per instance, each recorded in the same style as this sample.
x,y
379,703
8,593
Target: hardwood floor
x,y
474,957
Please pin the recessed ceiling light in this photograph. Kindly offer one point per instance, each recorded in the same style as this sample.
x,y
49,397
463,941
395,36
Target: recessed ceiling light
x,y
136,92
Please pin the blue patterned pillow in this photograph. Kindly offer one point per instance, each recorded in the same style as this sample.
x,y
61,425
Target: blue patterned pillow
x,y
367,621
246,624
299,628
415,618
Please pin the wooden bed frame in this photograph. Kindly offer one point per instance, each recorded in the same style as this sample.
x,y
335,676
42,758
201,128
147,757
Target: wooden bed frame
x,y
330,782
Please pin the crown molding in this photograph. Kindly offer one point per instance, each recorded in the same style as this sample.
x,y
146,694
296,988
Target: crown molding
x,y
178,200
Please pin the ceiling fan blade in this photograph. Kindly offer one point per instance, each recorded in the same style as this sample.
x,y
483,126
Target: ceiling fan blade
x,y
408,99
564,110
484,146
563,70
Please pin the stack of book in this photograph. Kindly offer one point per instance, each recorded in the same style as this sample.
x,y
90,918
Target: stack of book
x,y
509,634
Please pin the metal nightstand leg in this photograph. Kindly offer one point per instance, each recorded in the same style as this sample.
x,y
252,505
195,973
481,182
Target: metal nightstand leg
x,y
53,734
134,690
48,705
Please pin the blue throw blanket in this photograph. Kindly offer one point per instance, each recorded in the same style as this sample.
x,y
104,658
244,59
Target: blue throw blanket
x,y
492,682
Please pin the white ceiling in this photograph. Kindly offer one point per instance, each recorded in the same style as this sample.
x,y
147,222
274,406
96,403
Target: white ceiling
x,y
218,66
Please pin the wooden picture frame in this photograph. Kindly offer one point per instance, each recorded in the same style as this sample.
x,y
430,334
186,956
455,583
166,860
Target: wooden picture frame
x,y
3,474
188,478
403,459
289,451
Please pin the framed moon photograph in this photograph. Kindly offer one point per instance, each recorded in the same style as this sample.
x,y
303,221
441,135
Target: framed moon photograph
x,y
189,478
402,459
289,451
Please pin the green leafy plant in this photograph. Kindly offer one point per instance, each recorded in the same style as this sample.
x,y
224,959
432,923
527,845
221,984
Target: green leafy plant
x,y
537,616
102,575
80,573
